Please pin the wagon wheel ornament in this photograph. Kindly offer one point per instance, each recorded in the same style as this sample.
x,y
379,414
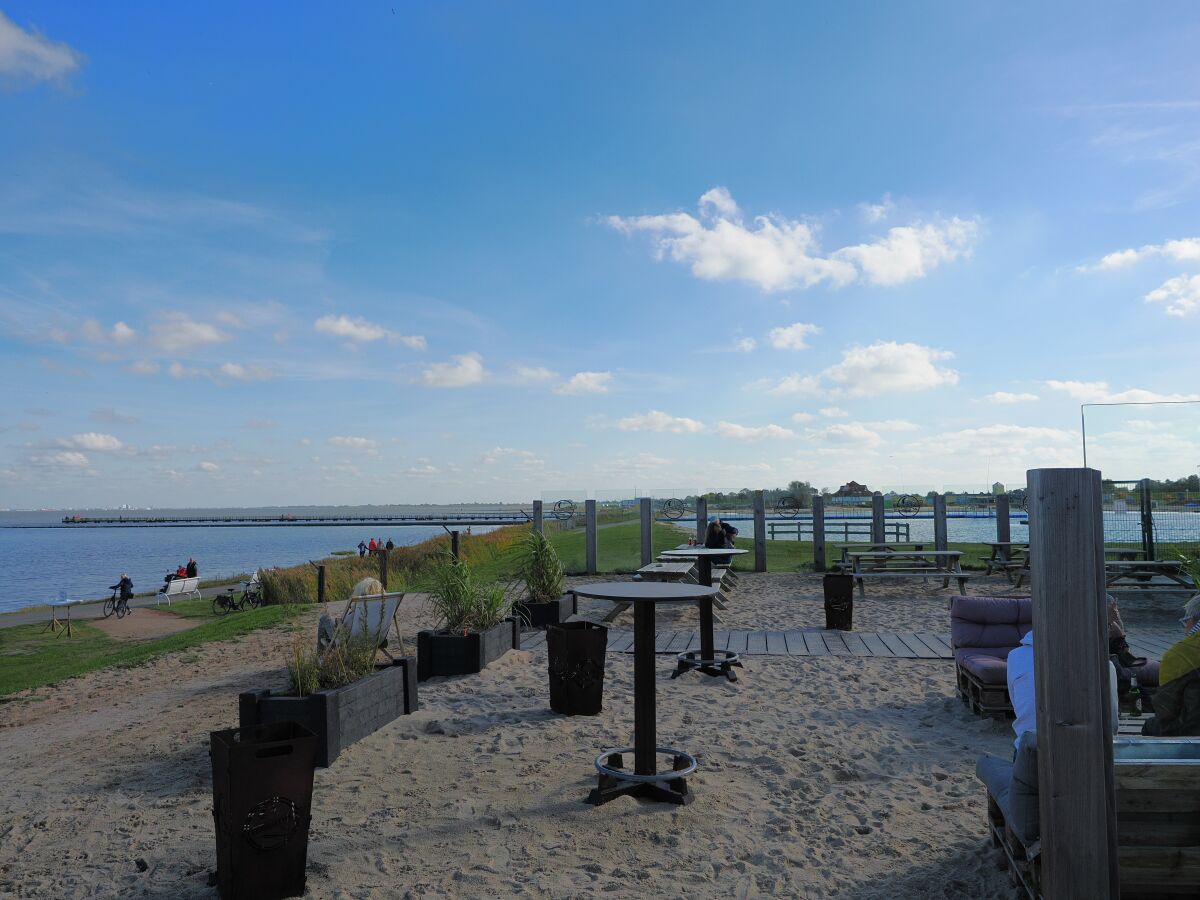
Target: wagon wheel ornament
x,y
787,506
908,505
564,509
673,509
1018,500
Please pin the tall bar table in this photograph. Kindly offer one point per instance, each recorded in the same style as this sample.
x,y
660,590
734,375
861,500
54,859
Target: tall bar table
x,y
707,659
645,780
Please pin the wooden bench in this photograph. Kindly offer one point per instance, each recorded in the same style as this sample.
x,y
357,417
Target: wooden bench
x,y
179,587
1151,575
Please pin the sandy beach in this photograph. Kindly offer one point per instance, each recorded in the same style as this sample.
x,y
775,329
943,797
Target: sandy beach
x,y
818,777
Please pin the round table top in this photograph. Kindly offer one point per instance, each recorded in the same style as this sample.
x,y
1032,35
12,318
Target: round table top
x,y
703,551
645,591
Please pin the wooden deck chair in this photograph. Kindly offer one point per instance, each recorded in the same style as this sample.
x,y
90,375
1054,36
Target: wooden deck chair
x,y
373,616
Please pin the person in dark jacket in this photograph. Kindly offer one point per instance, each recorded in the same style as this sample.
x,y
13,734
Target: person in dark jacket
x,y
125,587
192,569
716,538
362,548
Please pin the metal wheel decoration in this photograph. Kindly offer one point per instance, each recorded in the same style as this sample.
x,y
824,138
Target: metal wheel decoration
x,y
787,506
674,509
908,505
563,509
271,824
1018,500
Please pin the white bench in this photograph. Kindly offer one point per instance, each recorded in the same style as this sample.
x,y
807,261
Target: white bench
x,y
178,587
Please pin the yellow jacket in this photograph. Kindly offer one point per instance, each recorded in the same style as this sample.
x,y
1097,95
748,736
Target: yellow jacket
x,y
1180,659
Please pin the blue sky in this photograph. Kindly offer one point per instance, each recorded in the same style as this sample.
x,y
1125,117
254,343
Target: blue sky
x,y
387,253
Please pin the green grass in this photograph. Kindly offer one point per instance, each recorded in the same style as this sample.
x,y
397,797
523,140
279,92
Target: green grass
x,y
30,658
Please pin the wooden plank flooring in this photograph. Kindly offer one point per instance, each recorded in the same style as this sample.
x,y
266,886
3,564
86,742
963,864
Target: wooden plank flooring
x,y
819,642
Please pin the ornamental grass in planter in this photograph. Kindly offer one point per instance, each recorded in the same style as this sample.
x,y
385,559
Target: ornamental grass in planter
x,y
476,627
538,565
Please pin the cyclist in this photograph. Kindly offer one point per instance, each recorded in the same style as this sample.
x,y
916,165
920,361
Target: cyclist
x,y
125,586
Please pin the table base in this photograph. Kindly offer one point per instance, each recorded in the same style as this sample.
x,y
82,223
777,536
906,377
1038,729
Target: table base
x,y
668,787
722,664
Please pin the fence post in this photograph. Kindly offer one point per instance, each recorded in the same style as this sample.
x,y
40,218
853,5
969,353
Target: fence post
x,y
320,584
1003,523
877,534
383,566
701,518
589,537
939,522
454,547
818,527
1070,626
760,531
1147,519
537,516
647,531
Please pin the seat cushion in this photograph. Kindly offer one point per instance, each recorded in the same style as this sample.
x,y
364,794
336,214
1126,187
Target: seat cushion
x,y
989,621
996,774
988,664
1025,818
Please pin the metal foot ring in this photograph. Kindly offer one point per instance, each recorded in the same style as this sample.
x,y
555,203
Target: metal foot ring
x,y
692,658
604,769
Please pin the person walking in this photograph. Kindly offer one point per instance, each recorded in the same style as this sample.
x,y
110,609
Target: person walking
x,y
389,545
362,548
372,547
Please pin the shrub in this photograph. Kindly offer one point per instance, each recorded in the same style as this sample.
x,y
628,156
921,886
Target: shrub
x,y
460,602
538,564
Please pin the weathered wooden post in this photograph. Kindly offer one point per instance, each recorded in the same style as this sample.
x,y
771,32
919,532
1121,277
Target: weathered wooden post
x,y
1003,524
589,537
701,518
818,532
877,533
383,566
760,531
320,584
454,545
647,531
939,522
1070,657
1147,508
538,525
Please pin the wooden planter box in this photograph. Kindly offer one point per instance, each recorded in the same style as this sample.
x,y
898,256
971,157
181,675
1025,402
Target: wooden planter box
x,y
339,716
539,615
442,653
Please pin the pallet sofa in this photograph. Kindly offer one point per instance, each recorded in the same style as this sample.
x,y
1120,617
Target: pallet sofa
x,y
1157,784
983,631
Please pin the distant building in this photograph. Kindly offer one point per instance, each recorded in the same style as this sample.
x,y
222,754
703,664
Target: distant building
x,y
851,492
998,488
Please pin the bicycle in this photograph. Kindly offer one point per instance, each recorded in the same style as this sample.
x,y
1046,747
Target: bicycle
x,y
113,604
223,604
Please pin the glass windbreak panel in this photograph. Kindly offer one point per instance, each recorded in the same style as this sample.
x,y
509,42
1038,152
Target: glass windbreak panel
x,y
562,518
618,530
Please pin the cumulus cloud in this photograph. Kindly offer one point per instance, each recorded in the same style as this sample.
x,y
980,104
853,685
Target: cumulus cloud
x,y
68,459
1007,398
794,384
144,367
360,330
222,374
1181,250
352,442
893,425
777,253
889,367
92,440
534,374
209,467
1099,392
520,457
1181,295
802,417
181,330
745,345
29,56
753,432
586,383
656,420
93,331
877,212
833,412
843,433
792,337
463,371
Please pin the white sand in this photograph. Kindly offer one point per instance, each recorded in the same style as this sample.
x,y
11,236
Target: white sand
x,y
818,777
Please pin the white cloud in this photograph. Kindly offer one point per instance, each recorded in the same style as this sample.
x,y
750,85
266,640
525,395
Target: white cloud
x,y
893,425
745,345
465,370
221,375
795,384
359,329
180,330
833,412
144,367
655,420
792,337
110,416
534,374
1181,250
68,459
92,440
210,467
877,212
352,442
889,367
1181,294
846,433
525,458
93,331
1007,398
802,417
585,383
753,432
777,253
30,55
1099,392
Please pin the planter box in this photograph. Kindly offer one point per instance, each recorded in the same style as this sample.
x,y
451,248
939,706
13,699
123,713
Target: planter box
x,y
539,615
442,653
339,716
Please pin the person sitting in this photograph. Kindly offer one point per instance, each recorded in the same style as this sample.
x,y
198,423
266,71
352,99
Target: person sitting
x,y
181,572
730,533
716,538
192,569
1177,701
1023,694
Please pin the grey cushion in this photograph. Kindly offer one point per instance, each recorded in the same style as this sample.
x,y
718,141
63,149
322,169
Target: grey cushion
x,y
1025,819
996,774
989,621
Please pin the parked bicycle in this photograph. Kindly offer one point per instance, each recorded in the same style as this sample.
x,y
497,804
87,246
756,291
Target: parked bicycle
x,y
115,604
231,601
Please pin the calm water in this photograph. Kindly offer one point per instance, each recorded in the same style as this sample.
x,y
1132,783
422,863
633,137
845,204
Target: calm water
x,y
39,564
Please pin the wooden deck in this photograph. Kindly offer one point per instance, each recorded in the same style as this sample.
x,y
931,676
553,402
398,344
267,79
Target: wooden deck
x,y
819,642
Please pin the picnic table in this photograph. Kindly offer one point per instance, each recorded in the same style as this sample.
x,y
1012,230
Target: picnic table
x,y
706,659
1147,574
1125,553
907,564
843,550
614,780
1007,557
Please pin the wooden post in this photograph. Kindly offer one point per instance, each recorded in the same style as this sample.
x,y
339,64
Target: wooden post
x,y
454,545
760,531
1147,507
589,537
701,518
647,531
383,563
818,525
877,533
1003,523
320,584
1070,658
939,522
537,516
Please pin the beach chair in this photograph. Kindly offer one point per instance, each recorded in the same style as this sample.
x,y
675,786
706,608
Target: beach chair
x,y
370,616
